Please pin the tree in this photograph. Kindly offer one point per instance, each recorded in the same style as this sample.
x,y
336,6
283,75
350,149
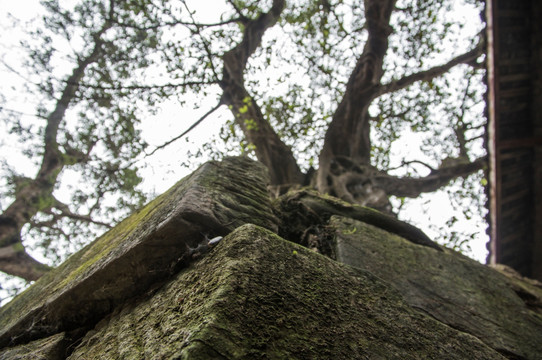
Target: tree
x,y
326,84
99,144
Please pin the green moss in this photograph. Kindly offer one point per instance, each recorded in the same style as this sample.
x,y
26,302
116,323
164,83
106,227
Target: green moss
x,y
78,264
118,264
18,247
252,298
108,242
350,231
459,286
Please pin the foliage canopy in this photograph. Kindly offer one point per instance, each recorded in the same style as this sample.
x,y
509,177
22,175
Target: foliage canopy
x,y
320,91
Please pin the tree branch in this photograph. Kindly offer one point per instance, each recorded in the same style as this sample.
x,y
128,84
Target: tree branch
x,y
348,132
15,261
146,87
406,163
17,112
236,59
36,195
238,11
413,187
199,121
177,22
431,73
269,148
66,212
204,42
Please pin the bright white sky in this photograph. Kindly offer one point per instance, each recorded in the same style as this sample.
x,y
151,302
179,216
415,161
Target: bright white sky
x,y
164,167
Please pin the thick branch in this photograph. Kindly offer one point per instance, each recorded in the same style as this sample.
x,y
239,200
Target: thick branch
x,y
32,195
348,132
15,261
413,187
432,73
236,59
36,195
270,149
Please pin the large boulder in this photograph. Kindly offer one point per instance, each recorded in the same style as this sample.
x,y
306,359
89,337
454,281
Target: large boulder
x,y
498,307
360,285
144,249
256,296
453,289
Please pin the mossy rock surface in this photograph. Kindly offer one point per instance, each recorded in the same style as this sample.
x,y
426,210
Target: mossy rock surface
x,y
257,296
505,313
148,246
138,292
49,348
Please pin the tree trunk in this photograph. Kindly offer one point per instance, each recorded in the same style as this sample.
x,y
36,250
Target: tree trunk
x,y
348,134
269,148
345,170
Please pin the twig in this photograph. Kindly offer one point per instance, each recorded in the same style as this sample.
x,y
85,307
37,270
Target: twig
x,y
403,163
220,103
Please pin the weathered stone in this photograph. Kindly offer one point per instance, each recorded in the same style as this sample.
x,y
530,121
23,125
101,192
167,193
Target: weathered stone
x,y
50,348
150,288
146,247
256,296
450,287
